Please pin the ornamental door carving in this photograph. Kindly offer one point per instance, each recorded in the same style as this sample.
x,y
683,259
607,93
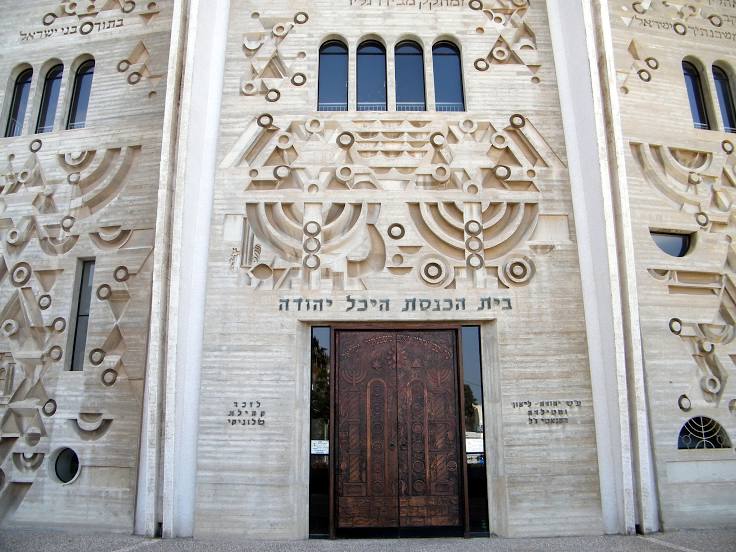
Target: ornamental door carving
x,y
397,430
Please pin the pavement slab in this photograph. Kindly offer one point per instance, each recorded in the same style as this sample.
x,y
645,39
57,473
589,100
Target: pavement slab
x,y
680,541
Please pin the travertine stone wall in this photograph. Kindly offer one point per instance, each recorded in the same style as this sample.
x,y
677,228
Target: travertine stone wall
x,y
682,180
393,217
69,195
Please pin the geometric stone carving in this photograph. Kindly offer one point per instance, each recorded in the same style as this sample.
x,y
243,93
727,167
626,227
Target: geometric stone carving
x,y
470,188
268,68
103,8
54,202
138,66
702,183
514,42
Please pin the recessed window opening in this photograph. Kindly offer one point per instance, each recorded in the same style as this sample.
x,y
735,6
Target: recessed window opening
x,y
474,431
19,104
66,466
333,77
695,95
319,466
725,98
676,245
410,88
371,76
82,319
448,77
702,432
81,95
49,99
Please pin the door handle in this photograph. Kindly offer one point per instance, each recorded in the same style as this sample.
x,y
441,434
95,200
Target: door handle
x,y
392,446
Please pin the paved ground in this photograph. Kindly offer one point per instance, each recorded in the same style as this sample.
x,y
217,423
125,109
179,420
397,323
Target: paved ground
x,y
684,541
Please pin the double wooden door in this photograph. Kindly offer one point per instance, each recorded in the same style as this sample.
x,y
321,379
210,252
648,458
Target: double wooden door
x,y
397,430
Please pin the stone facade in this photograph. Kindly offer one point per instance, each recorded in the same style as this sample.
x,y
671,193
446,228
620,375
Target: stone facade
x,y
681,179
67,196
227,216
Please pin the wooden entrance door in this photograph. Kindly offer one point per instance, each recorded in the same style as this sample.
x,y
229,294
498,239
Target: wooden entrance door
x,y
397,430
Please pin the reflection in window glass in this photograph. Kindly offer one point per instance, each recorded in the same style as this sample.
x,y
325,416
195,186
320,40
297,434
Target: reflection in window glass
x,y
67,465
371,77
319,429
474,431
676,245
725,99
409,77
18,104
83,309
333,77
49,100
695,95
448,77
80,95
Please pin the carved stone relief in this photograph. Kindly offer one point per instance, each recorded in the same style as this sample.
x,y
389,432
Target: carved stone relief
x,y
51,205
703,184
469,188
269,69
83,9
512,39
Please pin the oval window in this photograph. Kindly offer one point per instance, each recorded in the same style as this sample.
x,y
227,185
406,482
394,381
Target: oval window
x,y
676,245
67,465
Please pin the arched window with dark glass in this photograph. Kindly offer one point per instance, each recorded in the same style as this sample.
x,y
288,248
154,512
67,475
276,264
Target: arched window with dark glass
x,y
695,95
80,95
371,76
448,77
19,104
725,98
49,99
333,77
410,95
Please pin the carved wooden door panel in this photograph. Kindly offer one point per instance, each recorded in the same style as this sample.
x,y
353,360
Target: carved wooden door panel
x,y
429,434
397,430
366,474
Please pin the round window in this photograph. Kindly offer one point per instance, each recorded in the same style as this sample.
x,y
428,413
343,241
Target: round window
x,y
67,465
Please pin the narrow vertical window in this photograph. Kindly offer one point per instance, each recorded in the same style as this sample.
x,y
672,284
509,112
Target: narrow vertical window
x,y
410,95
49,100
474,431
333,77
80,95
18,104
82,319
371,76
448,77
725,98
319,429
695,95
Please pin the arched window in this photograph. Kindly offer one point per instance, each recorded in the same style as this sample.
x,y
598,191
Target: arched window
x,y
702,433
371,76
725,98
49,99
448,77
333,77
19,103
80,95
410,94
695,95
676,245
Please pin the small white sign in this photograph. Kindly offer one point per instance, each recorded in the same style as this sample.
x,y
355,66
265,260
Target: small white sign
x,y
320,447
472,445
